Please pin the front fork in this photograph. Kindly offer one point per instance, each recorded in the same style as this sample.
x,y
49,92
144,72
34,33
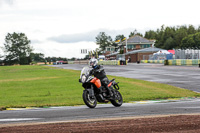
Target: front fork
x,y
90,90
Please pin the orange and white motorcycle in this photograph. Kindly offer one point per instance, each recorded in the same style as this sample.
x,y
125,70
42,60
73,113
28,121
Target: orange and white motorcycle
x,y
94,91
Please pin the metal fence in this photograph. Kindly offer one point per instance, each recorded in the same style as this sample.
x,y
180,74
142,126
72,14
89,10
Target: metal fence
x,y
179,54
187,54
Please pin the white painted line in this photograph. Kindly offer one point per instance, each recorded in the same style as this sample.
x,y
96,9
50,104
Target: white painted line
x,y
19,119
27,108
189,107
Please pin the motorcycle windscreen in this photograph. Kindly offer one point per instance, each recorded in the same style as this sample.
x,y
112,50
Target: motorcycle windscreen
x,y
85,71
97,82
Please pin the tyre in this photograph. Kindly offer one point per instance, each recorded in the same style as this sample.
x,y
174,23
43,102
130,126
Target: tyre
x,y
118,99
91,102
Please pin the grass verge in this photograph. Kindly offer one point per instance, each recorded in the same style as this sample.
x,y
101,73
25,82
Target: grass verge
x,y
38,86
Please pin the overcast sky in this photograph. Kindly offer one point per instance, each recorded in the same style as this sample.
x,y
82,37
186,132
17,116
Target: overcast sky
x,y
63,27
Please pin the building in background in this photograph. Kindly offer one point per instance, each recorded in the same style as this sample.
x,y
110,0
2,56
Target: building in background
x,y
133,48
137,42
138,55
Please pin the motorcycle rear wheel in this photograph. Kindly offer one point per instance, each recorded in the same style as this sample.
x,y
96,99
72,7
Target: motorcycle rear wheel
x,y
91,102
118,99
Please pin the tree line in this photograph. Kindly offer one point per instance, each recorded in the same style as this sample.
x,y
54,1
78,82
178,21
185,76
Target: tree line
x,y
39,57
17,50
176,37
104,40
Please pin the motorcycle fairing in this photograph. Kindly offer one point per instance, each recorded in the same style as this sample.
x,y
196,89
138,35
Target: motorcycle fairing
x,y
96,81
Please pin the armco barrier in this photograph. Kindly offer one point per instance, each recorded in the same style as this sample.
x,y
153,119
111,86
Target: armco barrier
x,y
183,62
70,62
107,62
111,62
78,62
152,61
177,62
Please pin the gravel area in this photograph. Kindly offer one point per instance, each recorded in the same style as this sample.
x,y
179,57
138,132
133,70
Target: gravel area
x,y
171,124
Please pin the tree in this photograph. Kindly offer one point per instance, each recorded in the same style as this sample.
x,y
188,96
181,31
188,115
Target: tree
x,y
191,30
191,41
179,35
169,43
170,37
169,32
150,34
198,29
197,40
119,37
135,33
37,57
160,37
17,49
103,40
1,52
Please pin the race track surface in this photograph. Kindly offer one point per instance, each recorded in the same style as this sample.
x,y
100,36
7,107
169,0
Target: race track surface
x,y
187,77
106,111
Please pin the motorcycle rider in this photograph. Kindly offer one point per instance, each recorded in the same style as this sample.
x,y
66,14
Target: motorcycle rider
x,y
99,72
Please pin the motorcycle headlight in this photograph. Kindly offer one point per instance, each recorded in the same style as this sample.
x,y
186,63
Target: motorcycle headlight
x,y
83,78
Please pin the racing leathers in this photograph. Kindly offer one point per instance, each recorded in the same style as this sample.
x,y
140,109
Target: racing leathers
x,y
99,73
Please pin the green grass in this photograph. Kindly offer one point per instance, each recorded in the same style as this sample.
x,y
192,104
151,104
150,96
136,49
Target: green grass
x,y
38,86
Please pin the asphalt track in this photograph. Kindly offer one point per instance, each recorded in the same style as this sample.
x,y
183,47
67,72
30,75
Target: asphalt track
x,y
107,111
185,77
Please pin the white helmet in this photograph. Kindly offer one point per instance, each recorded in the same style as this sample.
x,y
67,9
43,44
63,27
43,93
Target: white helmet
x,y
93,62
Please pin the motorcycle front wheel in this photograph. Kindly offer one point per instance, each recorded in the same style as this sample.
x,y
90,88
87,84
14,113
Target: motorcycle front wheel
x,y
118,99
91,102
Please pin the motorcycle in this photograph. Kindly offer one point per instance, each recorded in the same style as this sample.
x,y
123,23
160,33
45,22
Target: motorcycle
x,y
95,92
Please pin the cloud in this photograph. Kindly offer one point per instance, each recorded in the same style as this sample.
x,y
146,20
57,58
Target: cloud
x,y
90,36
35,41
61,50
72,38
9,2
